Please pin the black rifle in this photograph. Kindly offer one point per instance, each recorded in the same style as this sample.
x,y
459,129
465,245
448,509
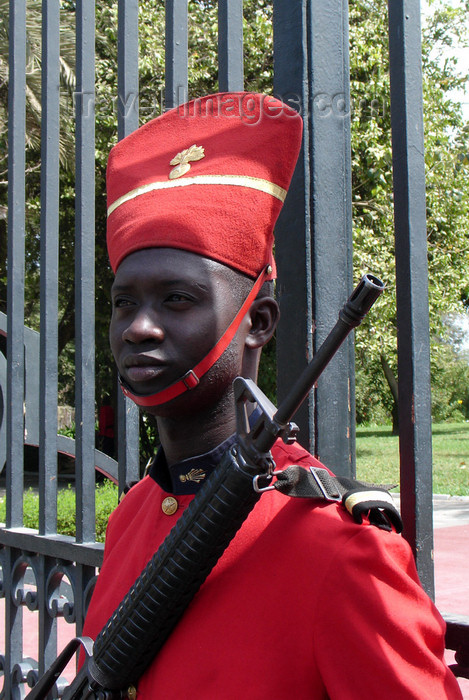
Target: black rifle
x,y
143,621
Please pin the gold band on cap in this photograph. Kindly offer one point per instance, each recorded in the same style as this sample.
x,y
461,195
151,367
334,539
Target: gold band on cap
x,y
254,183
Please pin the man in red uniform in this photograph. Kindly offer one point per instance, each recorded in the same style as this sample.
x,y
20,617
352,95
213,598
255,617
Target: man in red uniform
x,y
304,603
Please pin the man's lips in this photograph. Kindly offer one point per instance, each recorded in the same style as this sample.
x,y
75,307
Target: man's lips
x,y
143,368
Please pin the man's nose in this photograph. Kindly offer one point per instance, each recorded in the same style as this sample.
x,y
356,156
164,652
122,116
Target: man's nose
x,y
144,326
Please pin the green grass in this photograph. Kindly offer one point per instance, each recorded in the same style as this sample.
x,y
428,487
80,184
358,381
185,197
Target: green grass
x,y
378,457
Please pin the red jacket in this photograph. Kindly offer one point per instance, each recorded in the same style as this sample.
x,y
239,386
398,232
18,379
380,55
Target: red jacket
x,y
303,604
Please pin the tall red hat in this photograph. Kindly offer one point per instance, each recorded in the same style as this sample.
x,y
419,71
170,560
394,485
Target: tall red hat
x,y
209,177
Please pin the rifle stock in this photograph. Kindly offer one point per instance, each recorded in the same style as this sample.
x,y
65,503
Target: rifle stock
x,y
140,625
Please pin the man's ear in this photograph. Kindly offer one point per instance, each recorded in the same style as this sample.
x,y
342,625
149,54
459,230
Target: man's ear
x,y
264,316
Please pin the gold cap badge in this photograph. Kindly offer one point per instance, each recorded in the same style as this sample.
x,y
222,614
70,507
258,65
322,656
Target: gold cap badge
x,y
182,161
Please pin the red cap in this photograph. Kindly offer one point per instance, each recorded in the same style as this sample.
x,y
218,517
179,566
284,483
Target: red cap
x,y
209,177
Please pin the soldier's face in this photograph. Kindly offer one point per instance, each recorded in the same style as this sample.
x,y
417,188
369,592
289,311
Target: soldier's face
x,y
169,308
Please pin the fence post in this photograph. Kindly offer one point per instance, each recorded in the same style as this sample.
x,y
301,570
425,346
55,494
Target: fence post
x,y
230,45
314,232
176,58
127,121
15,321
84,272
415,437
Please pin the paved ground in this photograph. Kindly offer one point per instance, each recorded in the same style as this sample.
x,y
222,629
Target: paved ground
x,y
451,543
451,538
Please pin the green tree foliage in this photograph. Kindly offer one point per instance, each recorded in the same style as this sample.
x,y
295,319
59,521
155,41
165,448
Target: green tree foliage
x,y
446,159
33,136
450,387
33,79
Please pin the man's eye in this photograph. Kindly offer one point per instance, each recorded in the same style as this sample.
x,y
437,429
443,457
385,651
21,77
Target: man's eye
x,y
120,302
178,298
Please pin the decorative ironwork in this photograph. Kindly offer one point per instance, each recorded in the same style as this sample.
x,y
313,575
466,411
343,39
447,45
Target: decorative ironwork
x,y
58,603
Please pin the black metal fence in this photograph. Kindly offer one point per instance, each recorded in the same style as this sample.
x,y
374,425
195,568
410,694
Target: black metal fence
x,y
314,254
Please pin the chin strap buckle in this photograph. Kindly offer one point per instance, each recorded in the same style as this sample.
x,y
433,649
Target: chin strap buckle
x,y
190,379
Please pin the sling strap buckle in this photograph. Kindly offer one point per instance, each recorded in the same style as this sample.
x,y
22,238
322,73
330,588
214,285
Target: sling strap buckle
x,y
259,478
332,493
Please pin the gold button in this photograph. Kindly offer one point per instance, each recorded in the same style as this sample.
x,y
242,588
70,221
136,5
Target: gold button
x,y
169,505
131,692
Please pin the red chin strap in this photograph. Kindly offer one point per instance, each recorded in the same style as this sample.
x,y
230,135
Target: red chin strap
x,y
192,378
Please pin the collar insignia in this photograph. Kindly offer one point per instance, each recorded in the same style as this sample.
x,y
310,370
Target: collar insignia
x,y
197,475
182,161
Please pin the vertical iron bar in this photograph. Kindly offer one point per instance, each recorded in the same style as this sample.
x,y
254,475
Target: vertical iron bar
x,y
83,575
293,229
127,67
16,266
49,267
412,283
15,319
49,311
127,115
331,217
128,465
47,626
85,272
176,59
230,45
314,232
32,349
13,623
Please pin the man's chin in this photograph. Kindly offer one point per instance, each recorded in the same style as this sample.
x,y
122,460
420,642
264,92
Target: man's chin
x,y
143,393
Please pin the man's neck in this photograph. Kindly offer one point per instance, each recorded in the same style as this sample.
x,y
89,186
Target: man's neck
x,y
190,435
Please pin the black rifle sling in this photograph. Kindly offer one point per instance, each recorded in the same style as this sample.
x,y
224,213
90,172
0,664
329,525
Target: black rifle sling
x,y
360,499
